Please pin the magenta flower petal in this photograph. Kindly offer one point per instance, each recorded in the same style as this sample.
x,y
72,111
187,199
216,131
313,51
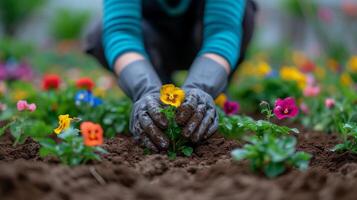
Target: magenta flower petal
x,y
285,108
231,107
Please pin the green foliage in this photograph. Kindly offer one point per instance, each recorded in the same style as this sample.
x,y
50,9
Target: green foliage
x,y
71,150
271,154
13,12
299,8
22,126
237,126
10,48
321,118
349,138
178,144
68,24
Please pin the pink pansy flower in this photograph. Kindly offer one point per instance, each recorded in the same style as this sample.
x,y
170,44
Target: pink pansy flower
x,y
285,108
304,108
231,107
311,91
2,107
21,105
31,107
330,102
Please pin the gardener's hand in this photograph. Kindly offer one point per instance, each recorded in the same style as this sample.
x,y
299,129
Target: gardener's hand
x,y
197,115
206,80
147,123
139,81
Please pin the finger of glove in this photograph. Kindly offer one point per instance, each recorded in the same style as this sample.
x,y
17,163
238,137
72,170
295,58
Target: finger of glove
x,y
194,121
186,110
203,127
213,128
154,133
153,108
146,142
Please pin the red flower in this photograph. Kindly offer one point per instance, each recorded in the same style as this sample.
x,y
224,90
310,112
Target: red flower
x,y
51,81
285,108
85,83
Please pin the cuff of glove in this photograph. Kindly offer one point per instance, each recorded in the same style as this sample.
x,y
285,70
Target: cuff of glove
x,y
207,75
139,78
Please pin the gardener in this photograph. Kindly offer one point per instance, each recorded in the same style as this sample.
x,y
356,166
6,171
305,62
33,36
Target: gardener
x,y
144,41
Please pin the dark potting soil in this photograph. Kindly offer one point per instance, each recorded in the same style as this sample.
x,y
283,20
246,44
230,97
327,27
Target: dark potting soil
x,y
126,173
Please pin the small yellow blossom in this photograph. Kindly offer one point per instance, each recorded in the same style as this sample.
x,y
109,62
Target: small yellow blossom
x,y
171,95
220,100
346,79
352,64
293,74
64,123
263,69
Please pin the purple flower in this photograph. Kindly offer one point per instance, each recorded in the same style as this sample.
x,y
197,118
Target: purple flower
x,y
231,107
285,108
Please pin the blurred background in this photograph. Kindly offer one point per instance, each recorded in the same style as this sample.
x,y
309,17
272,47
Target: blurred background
x,y
317,27
48,33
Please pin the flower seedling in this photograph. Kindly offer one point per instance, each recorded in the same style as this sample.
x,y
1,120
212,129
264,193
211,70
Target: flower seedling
x,y
349,138
72,148
22,124
172,97
272,155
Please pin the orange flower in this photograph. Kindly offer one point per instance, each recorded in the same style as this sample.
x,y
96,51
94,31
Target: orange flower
x,y
92,133
85,83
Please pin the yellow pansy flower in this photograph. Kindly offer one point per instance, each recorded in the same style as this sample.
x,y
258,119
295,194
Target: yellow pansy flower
x,y
352,64
171,95
263,69
64,122
293,74
346,79
220,100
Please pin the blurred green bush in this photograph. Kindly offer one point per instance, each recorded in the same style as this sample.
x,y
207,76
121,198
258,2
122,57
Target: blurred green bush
x,y
13,12
68,24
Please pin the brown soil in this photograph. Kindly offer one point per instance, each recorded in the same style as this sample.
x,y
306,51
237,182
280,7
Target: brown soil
x,y
126,173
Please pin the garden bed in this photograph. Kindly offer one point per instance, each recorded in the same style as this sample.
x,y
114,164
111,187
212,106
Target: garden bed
x,y
126,173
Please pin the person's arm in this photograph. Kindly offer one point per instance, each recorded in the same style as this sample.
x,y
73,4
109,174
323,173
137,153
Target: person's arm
x,y
125,53
208,75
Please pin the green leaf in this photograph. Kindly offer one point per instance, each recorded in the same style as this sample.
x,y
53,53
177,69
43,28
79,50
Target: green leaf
x,y
239,154
171,155
301,160
339,147
187,151
274,169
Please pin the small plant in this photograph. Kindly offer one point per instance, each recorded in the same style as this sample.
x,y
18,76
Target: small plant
x,y
349,139
172,97
237,126
74,149
272,155
22,125
271,150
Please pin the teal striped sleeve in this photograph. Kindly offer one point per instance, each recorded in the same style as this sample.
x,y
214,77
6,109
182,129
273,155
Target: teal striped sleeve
x,y
122,30
222,32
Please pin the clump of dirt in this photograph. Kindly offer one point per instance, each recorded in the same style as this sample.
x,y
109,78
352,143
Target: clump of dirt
x,y
126,173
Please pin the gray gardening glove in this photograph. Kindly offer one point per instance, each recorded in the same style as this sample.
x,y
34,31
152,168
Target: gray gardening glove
x,y
198,114
140,82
